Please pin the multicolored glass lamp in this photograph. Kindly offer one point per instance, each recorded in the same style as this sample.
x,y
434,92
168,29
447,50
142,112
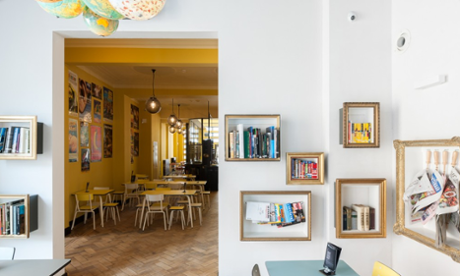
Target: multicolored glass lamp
x,y
98,24
138,9
64,8
103,8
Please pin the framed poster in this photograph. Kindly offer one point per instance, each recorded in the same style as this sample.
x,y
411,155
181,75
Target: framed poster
x,y
108,105
107,141
84,135
97,91
73,95
84,103
136,144
96,144
134,117
73,140
97,111
85,160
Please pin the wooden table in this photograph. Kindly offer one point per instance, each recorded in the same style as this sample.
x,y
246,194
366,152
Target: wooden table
x,y
304,268
142,176
100,194
199,184
32,267
180,176
187,193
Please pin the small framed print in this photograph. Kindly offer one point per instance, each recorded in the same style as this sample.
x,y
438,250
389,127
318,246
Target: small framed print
x,y
361,125
305,168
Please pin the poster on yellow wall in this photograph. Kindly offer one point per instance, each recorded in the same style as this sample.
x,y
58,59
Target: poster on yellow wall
x,y
107,141
136,144
97,111
96,144
97,91
73,140
108,105
84,160
84,135
84,103
73,96
134,117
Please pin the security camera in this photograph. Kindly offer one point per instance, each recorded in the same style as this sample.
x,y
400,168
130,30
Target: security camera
x,y
351,16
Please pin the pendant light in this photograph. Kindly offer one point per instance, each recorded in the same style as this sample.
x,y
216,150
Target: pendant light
x,y
178,122
172,118
172,129
153,105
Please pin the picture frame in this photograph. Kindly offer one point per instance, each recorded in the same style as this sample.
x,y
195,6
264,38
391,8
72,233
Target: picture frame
x,y
305,168
411,157
361,125
300,231
366,197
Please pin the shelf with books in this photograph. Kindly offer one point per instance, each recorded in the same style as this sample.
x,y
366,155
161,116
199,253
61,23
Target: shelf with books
x,y
275,215
18,215
360,125
304,168
360,208
252,137
21,137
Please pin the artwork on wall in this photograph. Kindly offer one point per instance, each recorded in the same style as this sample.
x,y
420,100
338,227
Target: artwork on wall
x,y
97,91
73,140
84,103
136,144
85,160
107,141
135,117
84,135
96,144
73,95
108,105
132,146
97,111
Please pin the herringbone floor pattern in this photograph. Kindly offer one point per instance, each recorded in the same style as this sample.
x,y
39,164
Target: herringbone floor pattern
x,y
122,249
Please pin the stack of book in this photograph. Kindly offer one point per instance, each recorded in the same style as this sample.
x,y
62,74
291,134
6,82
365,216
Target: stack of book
x,y
359,132
12,218
275,214
303,169
14,140
252,143
358,217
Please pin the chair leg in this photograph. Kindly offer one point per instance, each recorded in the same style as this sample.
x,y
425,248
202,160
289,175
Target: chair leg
x,y
145,221
171,219
123,203
182,219
164,220
86,217
94,220
74,217
118,213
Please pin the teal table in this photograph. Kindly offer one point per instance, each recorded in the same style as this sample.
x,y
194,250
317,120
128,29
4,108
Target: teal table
x,y
301,268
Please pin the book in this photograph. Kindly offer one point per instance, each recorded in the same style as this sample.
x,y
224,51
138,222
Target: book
x,y
3,134
289,216
251,142
241,138
231,144
366,218
277,143
354,220
246,144
360,216
258,211
22,141
9,140
22,223
371,218
348,211
344,219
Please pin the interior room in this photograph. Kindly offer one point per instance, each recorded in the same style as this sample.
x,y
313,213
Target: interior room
x,y
300,67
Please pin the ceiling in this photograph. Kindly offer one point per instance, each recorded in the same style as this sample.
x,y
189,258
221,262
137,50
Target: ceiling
x,y
191,85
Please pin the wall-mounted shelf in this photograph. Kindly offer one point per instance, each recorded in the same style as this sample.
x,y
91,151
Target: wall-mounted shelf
x,y
18,216
360,125
360,208
305,168
21,137
300,230
252,137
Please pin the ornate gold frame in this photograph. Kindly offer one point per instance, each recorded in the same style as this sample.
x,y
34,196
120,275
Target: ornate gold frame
x,y
340,234
376,122
275,238
299,155
400,228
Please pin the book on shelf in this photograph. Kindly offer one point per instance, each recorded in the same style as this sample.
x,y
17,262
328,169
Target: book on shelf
x,y
279,214
12,218
252,143
359,132
371,218
241,139
303,169
360,215
365,217
258,211
14,140
3,137
354,220
347,211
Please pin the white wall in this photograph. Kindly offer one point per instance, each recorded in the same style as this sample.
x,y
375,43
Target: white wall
x,y
430,113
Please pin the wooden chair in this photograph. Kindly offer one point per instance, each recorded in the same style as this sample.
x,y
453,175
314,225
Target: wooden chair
x,y
131,192
255,270
84,204
155,205
382,270
180,210
110,205
7,253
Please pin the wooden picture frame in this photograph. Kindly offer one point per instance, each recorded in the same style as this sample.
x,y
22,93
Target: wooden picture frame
x,y
411,158
305,168
241,123
250,231
361,125
21,122
368,192
6,201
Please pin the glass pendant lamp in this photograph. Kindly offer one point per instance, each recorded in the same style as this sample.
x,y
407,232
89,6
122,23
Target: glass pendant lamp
x,y
153,105
172,119
178,122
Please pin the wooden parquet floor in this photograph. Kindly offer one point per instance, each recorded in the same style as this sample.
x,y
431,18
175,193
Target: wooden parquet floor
x,y
122,249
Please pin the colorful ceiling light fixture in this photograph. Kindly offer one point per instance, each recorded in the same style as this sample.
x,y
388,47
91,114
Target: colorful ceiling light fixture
x,y
102,16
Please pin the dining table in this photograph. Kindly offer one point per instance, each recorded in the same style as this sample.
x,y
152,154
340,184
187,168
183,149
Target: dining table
x,y
199,184
187,193
180,176
305,268
100,193
39,267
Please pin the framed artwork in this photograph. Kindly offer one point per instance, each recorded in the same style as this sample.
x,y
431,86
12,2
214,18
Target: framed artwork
x,y
275,215
97,91
73,95
85,157
108,105
361,125
73,140
305,168
107,141
84,103
84,135
428,216
360,208
134,117
96,144
136,144
97,111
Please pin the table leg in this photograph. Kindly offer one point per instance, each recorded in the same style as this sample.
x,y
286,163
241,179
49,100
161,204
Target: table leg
x,y
101,210
190,217
142,212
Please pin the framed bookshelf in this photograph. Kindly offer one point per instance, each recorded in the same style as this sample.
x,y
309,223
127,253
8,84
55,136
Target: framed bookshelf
x,y
252,138
360,208
21,137
415,159
19,216
361,125
250,230
304,168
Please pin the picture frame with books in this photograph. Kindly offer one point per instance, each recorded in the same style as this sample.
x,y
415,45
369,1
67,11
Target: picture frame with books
x,y
305,168
21,137
275,215
360,125
360,208
414,158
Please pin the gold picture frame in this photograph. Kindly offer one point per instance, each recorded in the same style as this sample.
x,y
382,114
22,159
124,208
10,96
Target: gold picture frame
x,y
361,125
370,192
413,150
29,122
305,168
250,231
